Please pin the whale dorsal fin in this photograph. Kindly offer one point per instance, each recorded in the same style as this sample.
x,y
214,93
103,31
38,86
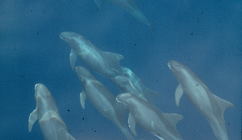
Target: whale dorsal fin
x,y
112,55
132,123
173,118
82,99
223,104
72,58
33,117
114,58
178,94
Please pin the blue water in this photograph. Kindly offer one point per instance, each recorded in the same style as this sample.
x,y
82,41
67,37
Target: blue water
x,y
203,34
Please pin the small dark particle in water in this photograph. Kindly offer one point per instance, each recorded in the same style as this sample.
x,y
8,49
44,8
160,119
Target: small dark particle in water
x,y
198,20
83,118
228,123
202,12
68,110
43,12
37,33
94,130
134,44
192,34
22,76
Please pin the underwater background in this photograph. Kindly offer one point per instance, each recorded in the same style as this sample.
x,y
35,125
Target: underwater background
x,y
205,35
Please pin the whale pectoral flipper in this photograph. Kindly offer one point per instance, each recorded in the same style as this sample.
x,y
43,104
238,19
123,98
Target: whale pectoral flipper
x,y
178,94
98,3
223,104
33,117
132,123
73,58
82,99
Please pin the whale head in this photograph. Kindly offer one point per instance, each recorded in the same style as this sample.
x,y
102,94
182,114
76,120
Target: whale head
x,y
75,41
127,72
175,66
44,99
41,91
180,71
69,36
124,98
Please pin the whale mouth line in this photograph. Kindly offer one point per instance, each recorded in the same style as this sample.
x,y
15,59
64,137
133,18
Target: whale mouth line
x,y
36,86
61,36
118,100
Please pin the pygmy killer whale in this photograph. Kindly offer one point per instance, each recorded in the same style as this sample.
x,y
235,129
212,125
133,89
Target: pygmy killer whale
x,y
161,125
129,82
46,113
102,99
130,7
105,63
210,105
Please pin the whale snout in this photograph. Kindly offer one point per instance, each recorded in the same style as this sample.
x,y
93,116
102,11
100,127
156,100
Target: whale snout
x,y
172,64
68,35
38,86
41,90
61,36
64,35
118,99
